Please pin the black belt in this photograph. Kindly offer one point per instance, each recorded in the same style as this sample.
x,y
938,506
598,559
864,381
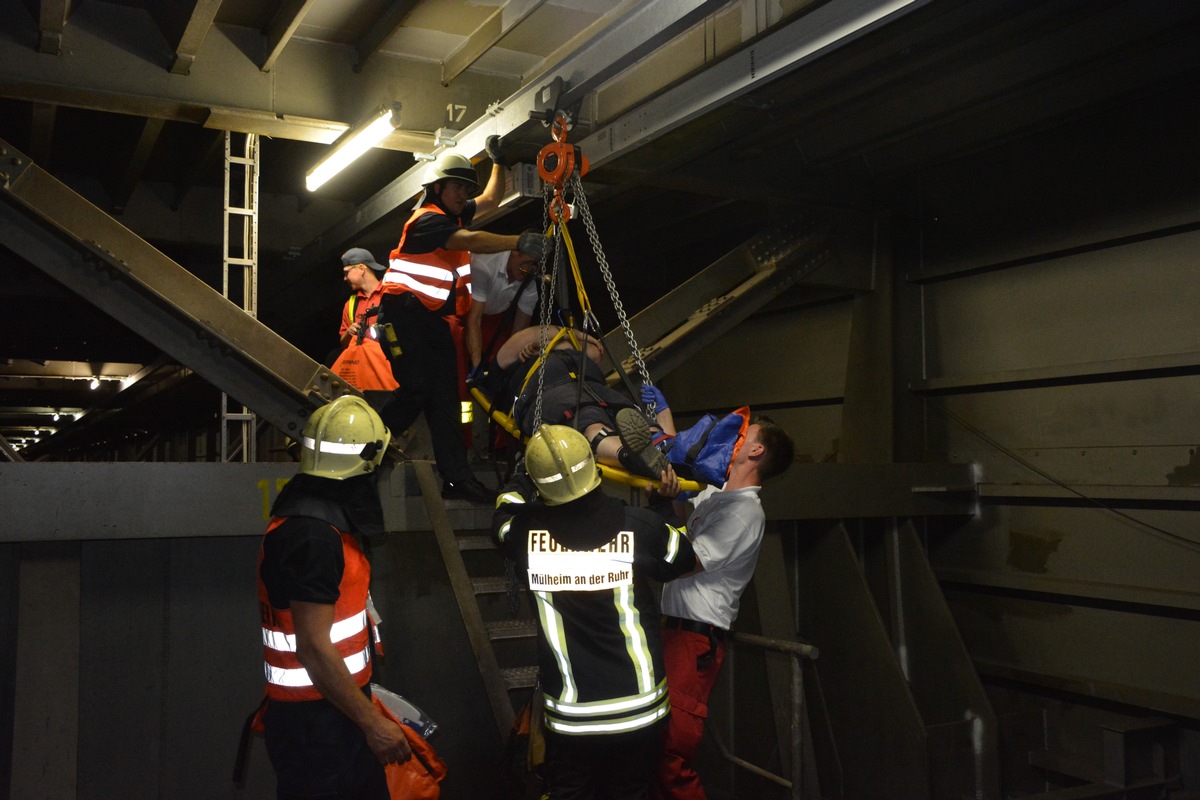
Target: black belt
x,y
692,626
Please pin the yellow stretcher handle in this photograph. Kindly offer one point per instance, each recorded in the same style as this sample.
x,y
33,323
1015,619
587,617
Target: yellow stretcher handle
x,y
638,482
608,473
499,417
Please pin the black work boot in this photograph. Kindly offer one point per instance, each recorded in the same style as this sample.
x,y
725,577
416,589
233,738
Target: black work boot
x,y
469,489
639,455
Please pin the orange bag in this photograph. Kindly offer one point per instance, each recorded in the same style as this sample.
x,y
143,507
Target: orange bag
x,y
417,778
365,367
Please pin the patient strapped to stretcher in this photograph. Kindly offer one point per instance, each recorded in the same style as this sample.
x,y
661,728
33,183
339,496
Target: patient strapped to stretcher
x,y
574,392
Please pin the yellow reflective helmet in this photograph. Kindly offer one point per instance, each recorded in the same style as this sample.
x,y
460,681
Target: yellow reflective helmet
x,y
343,439
560,461
452,165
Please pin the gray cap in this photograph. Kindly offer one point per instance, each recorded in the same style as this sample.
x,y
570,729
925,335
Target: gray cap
x,y
359,255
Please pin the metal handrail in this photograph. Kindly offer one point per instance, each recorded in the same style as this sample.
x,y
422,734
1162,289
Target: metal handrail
x,y
795,651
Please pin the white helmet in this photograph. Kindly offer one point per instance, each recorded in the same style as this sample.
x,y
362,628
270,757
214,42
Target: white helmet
x,y
452,165
343,439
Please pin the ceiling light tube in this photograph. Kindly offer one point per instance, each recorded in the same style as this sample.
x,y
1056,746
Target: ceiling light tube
x,y
352,144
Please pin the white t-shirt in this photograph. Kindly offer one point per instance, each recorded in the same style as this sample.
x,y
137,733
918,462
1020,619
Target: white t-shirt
x,y
490,285
726,529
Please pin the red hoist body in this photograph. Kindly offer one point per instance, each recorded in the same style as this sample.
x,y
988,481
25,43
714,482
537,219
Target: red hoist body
x,y
556,162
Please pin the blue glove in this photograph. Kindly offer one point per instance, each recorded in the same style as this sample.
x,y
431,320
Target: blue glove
x,y
653,398
475,375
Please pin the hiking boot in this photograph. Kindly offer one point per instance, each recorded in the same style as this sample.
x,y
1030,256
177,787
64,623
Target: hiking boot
x,y
469,489
642,456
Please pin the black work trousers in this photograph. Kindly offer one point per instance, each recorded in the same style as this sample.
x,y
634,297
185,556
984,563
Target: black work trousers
x,y
614,766
319,754
427,371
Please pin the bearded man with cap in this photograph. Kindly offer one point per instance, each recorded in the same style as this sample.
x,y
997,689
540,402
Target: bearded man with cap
x,y
324,736
364,275
360,360
589,559
427,285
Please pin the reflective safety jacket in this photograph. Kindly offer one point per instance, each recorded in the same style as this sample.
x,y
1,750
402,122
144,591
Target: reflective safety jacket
x,y
287,679
588,563
441,279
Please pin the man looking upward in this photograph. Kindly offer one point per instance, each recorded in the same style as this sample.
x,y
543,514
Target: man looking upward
x,y
726,529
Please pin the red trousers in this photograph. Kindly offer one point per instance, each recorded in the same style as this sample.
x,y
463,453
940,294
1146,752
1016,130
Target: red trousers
x,y
689,684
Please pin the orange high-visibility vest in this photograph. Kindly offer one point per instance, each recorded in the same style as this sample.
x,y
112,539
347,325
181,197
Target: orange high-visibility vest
x,y
287,679
433,276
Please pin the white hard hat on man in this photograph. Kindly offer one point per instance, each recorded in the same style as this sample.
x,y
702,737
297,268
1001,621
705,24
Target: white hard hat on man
x,y
452,166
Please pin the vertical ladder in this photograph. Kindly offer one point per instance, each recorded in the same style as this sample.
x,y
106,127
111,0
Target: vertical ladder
x,y
241,217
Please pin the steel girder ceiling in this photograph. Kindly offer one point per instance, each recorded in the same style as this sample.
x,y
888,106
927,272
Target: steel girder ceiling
x,y
950,77
646,27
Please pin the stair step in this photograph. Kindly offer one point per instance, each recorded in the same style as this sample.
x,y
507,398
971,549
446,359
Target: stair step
x,y
520,677
512,629
475,542
489,585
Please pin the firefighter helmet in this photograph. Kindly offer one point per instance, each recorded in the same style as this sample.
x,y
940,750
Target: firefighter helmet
x,y
342,439
560,461
452,165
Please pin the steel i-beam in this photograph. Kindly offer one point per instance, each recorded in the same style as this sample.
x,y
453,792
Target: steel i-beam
x,y
77,244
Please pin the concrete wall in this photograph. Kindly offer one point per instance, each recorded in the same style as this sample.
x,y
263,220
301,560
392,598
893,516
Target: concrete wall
x,y
130,652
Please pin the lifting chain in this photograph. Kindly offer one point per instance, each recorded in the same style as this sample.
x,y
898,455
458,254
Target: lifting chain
x,y
585,214
547,302
557,166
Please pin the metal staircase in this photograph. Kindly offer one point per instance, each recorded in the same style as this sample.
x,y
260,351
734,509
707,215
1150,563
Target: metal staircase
x,y
54,229
57,231
502,635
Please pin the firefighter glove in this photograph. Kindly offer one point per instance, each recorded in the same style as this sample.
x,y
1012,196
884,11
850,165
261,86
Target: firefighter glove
x,y
494,147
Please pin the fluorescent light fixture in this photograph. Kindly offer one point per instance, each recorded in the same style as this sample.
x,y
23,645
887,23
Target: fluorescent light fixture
x,y
352,144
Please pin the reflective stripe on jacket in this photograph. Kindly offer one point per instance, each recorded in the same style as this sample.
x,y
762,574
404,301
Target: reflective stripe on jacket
x,y
600,646
566,713
431,276
287,679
